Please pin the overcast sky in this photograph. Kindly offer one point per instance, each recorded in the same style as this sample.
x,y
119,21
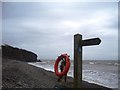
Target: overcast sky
x,y
48,28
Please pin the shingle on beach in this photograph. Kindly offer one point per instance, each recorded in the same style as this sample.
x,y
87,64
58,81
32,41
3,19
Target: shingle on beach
x,y
17,74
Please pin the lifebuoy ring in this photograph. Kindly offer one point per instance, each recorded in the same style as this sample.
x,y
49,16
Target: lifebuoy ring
x,y
67,66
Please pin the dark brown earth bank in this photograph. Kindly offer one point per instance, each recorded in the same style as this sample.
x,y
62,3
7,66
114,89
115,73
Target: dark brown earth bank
x,y
17,74
15,53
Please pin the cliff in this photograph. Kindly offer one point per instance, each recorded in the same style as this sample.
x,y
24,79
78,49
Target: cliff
x,y
18,54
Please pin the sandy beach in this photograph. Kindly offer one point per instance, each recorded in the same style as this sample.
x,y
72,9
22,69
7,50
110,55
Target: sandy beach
x,y
17,74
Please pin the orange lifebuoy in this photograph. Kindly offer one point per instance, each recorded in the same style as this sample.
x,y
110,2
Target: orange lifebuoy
x,y
67,66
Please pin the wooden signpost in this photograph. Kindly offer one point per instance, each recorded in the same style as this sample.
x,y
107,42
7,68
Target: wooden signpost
x,y
78,43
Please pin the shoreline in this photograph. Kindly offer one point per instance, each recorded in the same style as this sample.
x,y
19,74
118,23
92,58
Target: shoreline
x,y
67,75
17,74
101,75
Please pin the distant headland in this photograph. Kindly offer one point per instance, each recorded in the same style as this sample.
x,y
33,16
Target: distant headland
x,y
15,53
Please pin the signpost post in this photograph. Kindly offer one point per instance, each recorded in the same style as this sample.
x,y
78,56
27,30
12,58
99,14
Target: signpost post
x,y
77,61
78,43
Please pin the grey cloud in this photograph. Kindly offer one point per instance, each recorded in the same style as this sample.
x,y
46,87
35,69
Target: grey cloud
x,y
48,28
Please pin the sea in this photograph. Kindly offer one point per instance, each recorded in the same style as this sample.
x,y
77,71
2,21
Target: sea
x,y
100,72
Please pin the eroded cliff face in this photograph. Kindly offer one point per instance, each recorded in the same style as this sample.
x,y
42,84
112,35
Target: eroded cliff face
x,y
18,54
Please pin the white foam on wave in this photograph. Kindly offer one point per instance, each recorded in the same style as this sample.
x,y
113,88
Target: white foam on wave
x,y
43,67
101,78
91,63
116,64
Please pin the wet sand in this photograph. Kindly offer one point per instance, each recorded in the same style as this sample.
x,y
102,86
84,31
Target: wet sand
x,y
17,74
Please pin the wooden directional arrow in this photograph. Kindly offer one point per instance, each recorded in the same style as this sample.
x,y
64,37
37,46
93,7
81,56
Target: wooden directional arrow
x,y
89,42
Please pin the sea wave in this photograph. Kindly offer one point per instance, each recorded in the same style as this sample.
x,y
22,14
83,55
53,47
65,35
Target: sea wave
x,y
94,72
